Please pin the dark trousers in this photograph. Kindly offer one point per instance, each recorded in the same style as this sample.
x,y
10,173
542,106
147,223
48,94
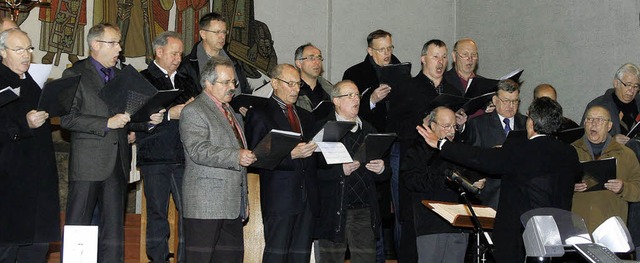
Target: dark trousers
x,y
358,236
408,250
36,252
288,238
161,181
110,196
213,240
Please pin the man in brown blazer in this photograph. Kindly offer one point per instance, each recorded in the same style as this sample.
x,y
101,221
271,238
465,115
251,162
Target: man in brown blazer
x,y
215,178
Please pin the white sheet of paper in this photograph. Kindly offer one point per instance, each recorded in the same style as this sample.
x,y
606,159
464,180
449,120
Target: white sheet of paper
x,y
40,73
317,139
334,152
134,174
80,244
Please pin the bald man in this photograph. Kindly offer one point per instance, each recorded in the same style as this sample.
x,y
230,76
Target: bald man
x,y
546,90
464,65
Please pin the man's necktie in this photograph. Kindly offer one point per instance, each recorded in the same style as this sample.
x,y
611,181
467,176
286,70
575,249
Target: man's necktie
x,y
293,119
507,128
107,74
227,112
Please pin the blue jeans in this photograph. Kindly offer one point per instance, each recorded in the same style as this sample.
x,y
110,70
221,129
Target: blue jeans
x,y
160,180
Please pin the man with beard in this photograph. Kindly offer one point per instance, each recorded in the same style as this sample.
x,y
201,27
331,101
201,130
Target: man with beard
x,y
423,177
314,88
100,153
542,176
465,63
289,192
349,213
597,144
30,207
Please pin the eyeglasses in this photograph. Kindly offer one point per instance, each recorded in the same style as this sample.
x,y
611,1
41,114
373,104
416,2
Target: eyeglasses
x,y
110,43
384,49
447,127
509,102
634,86
312,58
595,120
21,51
233,82
466,55
216,31
291,84
350,95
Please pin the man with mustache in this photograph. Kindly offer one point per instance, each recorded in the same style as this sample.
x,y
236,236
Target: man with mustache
x,y
100,152
214,189
160,154
213,35
314,88
597,144
465,63
30,205
423,177
349,217
289,192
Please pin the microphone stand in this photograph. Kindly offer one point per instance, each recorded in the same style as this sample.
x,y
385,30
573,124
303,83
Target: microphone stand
x,y
481,247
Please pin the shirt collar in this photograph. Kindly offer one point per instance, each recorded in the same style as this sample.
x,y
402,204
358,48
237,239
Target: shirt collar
x,y
357,120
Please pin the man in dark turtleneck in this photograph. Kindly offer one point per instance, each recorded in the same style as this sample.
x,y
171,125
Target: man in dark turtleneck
x,y
623,103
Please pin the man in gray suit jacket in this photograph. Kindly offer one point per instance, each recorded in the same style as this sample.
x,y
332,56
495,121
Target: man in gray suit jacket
x,y
100,153
215,179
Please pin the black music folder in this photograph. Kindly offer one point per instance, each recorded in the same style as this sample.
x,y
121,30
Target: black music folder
x,y
634,130
160,101
276,145
57,96
598,172
479,86
571,135
323,109
394,74
248,101
333,131
453,102
8,95
375,146
128,92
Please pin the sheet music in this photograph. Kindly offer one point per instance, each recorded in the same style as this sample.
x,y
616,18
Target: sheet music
x,y
334,152
40,73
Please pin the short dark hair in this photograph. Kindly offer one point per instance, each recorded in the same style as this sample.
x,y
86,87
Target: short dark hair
x,y
377,34
546,115
209,72
97,31
508,85
163,39
436,42
298,54
213,16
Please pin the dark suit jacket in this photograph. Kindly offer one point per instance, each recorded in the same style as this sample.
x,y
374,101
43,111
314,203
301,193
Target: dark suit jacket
x,y
94,147
541,176
285,189
451,76
365,76
163,145
486,130
28,179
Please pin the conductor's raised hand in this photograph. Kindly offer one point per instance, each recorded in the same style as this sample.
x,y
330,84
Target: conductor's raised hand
x,y
303,150
428,135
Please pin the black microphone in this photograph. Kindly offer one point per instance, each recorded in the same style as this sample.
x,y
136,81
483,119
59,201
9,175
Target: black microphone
x,y
455,176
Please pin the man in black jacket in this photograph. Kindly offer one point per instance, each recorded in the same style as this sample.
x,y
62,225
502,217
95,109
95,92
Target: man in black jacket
x,y
213,35
160,154
543,175
349,214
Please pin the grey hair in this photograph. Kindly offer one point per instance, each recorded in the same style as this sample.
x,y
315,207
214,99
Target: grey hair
x,y
508,85
4,36
628,68
98,30
209,72
162,39
335,91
